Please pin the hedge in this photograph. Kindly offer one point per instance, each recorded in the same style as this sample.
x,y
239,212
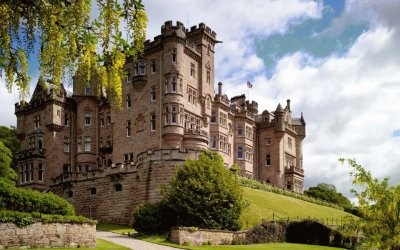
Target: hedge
x,y
246,182
28,200
22,219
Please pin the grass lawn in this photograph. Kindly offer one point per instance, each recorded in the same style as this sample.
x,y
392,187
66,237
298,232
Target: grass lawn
x,y
119,229
269,246
101,245
263,204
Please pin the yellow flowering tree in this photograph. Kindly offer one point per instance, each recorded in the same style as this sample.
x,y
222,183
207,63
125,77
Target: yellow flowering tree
x,y
79,37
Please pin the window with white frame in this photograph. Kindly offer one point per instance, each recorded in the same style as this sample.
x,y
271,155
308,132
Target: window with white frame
x,y
174,87
152,122
66,144
223,143
128,101
87,119
240,152
249,154
128,128
249,132
213,142
140,68
153,93
174,114
30,173
87,143
173,55
192,96
223,118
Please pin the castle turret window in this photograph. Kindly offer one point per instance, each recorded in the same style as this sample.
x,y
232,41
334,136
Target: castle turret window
x,y
40,142
37,121
87,143
240,130
249,132
240,152
213,116
152,122
128,101
153,93
192,70
66,144
153,66
223,119
174,114
174,56
30,172
140,69
87,119
268,160
192,96
128,128
249,154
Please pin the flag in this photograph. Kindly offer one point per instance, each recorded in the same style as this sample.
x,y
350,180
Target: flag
x,y
249,85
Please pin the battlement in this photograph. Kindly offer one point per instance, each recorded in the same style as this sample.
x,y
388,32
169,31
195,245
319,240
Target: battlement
x,y
202,28
149,157
253,105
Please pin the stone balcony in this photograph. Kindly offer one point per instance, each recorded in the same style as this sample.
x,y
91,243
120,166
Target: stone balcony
x,y
294,170
33,152
195,138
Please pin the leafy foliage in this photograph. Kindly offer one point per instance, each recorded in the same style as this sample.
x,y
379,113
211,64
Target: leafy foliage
x,y
267,232
22,219
204,194
153,218
8,137
27,200
379,204
308,232
68,39
5,163
327,192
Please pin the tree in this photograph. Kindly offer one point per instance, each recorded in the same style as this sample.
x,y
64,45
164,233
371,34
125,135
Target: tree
x,y
327,192
379,204
204,194
5,163
64,36
9,139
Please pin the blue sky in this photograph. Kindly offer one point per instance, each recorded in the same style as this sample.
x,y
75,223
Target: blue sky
x,y
338,61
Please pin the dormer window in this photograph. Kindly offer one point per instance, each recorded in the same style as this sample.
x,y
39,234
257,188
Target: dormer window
x,y
140,69
173,55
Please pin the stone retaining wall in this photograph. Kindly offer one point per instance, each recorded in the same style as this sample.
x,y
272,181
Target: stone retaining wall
x,y
197,237
47,235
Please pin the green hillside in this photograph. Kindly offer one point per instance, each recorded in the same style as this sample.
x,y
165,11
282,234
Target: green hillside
x,y
264,204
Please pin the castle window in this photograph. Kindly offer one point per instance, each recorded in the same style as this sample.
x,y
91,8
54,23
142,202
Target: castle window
x,y
290,144
173,55
208,102
21,173
152,122
174,114
88,90
128,75
66,168
93,191
126,157
223,119
66,144
208,49
108,118
131,156
174,86
70,194
192,96
213,116
128,128
240,152
26,173
268,141
208,77
58,113
192,70
268,160
240,130
32,142
140,69
79,144
40,142
88,167
166,115
153,93
87,143
66,120
41,172
249,154
30,173
214,142
118,187
223,143
128,101
249,132
102,119
153,66
87,119
37,121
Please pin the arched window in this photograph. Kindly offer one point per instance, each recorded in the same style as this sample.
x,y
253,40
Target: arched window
x,y
118,187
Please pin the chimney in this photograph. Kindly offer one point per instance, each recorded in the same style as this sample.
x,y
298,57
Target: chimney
x,y
288,104
220,88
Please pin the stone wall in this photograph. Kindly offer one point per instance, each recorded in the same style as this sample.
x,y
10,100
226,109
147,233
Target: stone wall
x,y
47,235
198,237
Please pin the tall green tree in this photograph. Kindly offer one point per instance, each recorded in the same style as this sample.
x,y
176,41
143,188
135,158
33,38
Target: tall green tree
x,y
327,192
5,163
70,40
205,194
8,137
379,203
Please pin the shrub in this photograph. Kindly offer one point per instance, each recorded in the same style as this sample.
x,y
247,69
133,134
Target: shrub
x,y
267,232
204,194
152,218
308,232
28,200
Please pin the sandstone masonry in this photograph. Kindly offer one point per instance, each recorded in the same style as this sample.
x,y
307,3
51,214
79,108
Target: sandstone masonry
x,y
105,160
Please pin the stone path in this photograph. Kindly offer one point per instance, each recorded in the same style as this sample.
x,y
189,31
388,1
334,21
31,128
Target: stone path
x,y
132,243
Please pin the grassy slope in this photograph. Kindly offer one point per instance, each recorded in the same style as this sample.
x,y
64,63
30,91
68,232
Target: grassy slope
x,y
263,204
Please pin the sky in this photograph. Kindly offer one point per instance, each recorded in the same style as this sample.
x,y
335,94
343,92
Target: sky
x,y
338,61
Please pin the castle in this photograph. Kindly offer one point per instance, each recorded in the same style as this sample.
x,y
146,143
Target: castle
x,y
105,160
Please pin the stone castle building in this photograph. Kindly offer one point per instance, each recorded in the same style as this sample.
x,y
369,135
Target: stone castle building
x,y
105,159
